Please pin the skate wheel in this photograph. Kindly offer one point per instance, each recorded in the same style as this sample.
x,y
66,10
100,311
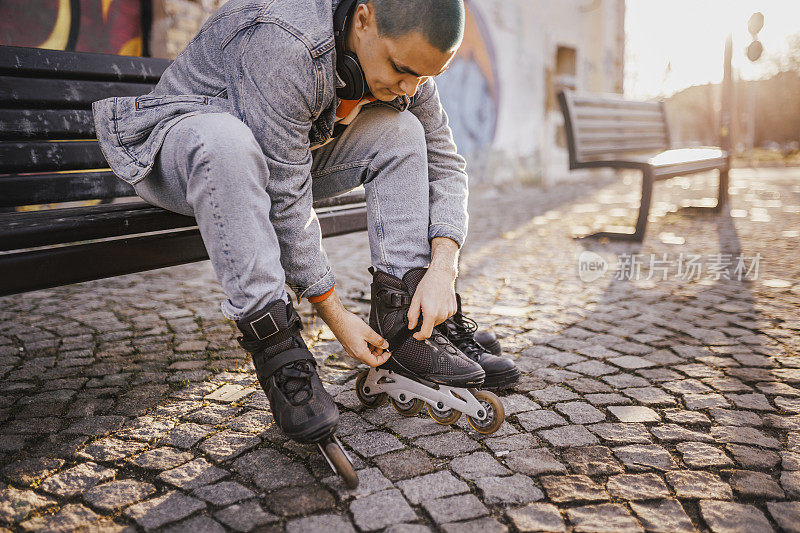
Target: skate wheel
x,y
495,413
409,408
341,464
368,400
443,416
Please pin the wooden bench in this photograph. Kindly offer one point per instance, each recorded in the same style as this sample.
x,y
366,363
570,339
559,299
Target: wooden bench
x,y
48,154
608,131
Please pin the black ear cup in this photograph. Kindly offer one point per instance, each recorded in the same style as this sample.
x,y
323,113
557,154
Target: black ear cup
x,y
349,69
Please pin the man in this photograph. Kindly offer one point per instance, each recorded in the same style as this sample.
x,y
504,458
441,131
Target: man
x,y
275,103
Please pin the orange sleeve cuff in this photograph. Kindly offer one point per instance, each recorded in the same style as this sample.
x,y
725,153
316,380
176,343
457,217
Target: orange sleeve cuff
x,y
321,297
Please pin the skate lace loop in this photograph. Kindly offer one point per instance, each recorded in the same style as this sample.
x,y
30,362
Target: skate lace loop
x,y
462,332
294,380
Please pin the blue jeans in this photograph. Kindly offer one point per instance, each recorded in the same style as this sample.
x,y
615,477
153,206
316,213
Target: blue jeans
x,y
211,167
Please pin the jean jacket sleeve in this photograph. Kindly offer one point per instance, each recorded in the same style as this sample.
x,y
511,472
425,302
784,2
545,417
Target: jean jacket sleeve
x,y
280,87
446,169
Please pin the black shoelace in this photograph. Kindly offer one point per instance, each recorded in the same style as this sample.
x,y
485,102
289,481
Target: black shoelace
x,y
461,331
294,380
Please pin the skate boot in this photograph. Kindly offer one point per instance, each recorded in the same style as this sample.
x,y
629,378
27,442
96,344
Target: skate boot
x,y
286,369
287,372
500,371
435,359
431,373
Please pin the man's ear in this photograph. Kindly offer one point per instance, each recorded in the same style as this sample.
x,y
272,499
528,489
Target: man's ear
x,y
364,16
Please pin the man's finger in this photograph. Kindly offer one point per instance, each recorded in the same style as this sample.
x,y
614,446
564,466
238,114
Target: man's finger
x,y
376,340
426,329
413,312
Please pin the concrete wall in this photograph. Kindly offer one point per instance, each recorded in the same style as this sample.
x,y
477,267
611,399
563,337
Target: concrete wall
x,y
500,90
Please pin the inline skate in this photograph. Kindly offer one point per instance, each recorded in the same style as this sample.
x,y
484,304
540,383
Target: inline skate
x,y
433,372
287,372
461,330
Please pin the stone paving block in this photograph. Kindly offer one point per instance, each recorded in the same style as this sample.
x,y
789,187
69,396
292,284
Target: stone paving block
x,y
70,518
416,427
517,403
373,443
170,507
516,489
300,501
431,486
533,420
325,522
665,516
744,435
580,412
592,368
16,505
28,472
110,449
95,425
553,394
607,399
693,484
634,413
705,401
637,487
245,516
674,432
449,444
566,436
145,429
477,465
186,435
622,433
790,460
786,515
755,485
533,462
370,481
76,479
380,510
193,474
625,381
405,464
606,517
592,460
749,457
509,443
223,493
686,386
228,444
455,508
162,458
537,517
729,417
117,494
630,362
700,455
481,525
729,517
645,457
790,481
198,524
410,528
271,470
650,396
755,401
573,488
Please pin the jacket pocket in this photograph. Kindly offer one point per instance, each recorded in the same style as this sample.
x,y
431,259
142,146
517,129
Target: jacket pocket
x,y
143,102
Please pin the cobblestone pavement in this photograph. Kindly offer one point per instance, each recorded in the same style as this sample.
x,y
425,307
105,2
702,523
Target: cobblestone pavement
x,y
666,405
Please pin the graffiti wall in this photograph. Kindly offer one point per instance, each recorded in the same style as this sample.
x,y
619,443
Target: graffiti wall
x,y
106,26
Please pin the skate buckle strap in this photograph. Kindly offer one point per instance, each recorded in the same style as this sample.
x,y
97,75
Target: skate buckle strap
x,y
395,299
284,358
264,326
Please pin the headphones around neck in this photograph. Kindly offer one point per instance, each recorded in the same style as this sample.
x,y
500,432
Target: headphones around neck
x,y
347,64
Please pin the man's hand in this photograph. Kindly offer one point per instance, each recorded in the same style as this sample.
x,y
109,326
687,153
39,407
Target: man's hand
x,y
435,296
358,339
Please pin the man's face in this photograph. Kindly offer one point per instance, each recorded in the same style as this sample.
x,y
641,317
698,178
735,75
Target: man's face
x,y
393,67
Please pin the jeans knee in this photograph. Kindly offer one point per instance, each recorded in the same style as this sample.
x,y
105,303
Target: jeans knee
x,y
223,138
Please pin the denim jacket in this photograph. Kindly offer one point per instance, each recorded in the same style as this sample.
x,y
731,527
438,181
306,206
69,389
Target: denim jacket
x,y
271,64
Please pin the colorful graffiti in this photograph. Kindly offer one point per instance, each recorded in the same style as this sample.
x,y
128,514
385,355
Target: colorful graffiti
x,y
107,26
469,89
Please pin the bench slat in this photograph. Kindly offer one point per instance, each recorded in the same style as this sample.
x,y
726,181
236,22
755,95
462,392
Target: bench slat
x,y
42,269
62,94
612,101
583,114
65,187
16,124
21,61
50,156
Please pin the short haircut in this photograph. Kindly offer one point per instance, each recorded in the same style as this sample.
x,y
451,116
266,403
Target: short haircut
x,y
441,22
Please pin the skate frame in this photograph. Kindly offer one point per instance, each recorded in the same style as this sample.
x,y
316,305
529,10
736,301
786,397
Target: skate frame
x,y
335,439
396,385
